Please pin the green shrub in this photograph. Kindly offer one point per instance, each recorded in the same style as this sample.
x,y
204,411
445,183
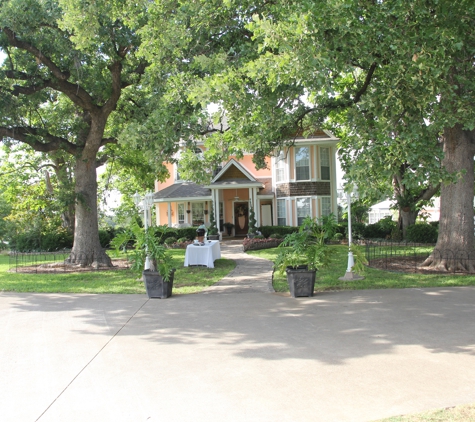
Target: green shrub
x,y
54,241
383,229
276,236
421,233
188,232
105,237
396,233
338,237
26,242
357,230
387,224
170,240
282,230
342,228
36,241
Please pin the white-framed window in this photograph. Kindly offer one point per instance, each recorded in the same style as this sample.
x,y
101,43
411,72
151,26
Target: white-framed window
x,y
302,163
281,213
326,206
197,213
181,213
280,167
303,209
325,163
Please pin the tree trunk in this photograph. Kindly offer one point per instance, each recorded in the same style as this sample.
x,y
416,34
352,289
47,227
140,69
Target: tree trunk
x,y
455,244
87,249
406,219
62,172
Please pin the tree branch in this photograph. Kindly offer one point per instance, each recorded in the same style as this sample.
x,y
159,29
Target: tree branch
x,y
102,160
15,42
30,135
365,86
75,93
111,103
106,141
429,192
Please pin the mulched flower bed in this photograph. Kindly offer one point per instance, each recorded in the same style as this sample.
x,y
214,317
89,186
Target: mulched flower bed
x,y
61,267
406,264
255,244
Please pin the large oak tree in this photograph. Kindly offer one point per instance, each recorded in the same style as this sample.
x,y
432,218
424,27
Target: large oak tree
x,y
68,66
399,61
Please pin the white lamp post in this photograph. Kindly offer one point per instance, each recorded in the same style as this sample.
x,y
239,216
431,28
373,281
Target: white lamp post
x,y
350,275
147,203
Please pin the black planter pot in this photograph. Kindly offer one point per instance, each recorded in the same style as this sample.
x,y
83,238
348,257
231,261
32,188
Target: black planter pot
x,y
155,286
301,281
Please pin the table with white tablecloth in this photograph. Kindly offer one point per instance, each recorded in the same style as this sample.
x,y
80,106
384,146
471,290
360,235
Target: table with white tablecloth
x,y
203,254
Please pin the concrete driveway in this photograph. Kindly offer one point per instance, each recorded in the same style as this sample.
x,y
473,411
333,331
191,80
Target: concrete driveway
x,y
343,356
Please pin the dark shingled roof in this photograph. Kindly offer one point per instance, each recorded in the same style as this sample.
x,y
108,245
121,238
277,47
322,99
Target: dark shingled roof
x,y
182,190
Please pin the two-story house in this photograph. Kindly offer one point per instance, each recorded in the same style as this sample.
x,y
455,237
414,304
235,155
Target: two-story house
x,y
299,182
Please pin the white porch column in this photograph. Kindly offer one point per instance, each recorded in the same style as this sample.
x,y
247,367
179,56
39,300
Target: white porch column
x,y
169,215
215,196
255,205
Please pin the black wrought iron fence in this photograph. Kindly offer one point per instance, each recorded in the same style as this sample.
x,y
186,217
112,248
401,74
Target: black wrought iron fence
x,y
50,262
410,257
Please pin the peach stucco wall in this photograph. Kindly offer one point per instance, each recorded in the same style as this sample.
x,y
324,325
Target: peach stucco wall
x,y
246,161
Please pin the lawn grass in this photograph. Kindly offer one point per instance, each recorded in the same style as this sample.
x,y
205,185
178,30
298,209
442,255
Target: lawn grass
x,y
327,278
452,414
187,279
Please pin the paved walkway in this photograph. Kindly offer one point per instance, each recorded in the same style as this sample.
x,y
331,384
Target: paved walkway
x,y
251,274
252,356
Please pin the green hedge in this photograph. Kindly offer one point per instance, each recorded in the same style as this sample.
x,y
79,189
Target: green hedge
x,y
188,233
282,230
34,241
422,233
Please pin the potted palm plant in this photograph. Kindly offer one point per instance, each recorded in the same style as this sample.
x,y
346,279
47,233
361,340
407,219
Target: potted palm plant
x,y
149,246
300,255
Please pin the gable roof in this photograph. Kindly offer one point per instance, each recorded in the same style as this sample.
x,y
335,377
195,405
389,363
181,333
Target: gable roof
x,y
233,169
232,175
182,191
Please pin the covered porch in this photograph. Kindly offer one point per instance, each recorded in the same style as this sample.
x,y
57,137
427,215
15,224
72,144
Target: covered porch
x,y
231,195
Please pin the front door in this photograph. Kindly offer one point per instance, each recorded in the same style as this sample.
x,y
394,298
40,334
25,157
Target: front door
x,y
241,218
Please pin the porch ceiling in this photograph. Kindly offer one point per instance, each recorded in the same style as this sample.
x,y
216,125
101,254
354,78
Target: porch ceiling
x,y
235,183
